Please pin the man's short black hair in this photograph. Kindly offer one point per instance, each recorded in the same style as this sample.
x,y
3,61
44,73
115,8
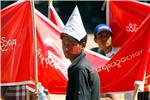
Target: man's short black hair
x,y
83,39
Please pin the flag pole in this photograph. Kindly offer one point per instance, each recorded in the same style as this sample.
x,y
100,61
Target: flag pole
x,y
107,12
103,6
136,92
35,47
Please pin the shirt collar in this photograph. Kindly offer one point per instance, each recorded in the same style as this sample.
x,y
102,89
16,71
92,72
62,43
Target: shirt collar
x,y
111,53
77,59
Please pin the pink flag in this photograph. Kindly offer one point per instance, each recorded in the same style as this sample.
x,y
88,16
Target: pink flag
x,y
125,17
129,64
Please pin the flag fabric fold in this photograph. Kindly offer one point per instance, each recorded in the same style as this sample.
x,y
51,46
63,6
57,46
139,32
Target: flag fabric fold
x,y
54,17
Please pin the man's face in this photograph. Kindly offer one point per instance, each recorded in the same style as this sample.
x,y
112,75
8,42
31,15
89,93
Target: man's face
x,y
104,39
71,47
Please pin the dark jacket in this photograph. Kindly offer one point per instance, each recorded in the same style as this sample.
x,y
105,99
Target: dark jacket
x,y
83,83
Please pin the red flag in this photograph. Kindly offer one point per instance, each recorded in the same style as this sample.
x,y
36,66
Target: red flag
x,y
129,64
17,44
125,17
17,49
54,17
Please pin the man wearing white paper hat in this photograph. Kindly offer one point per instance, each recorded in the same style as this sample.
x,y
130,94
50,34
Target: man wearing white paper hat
x,y
83,83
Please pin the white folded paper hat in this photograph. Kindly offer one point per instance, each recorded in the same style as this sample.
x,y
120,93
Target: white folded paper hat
x,y
74,26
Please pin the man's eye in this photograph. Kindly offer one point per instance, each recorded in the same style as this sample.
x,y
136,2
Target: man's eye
x,y
73,43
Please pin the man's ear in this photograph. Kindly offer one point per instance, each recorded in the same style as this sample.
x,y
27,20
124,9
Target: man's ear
x,y
95,40
84,44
